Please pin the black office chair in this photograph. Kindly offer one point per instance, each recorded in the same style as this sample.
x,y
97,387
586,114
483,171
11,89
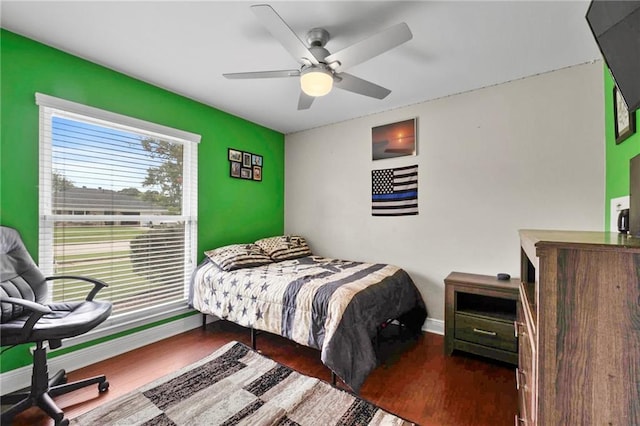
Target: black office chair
x,y
26,319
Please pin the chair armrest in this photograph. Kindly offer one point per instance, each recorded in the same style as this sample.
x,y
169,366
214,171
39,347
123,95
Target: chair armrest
x,y
37,311
32,306
97,284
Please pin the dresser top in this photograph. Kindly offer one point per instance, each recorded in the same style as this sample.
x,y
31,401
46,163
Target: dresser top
x,y
489,281
536,237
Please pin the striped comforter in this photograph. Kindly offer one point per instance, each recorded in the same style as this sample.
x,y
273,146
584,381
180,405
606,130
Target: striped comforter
x,y
328,304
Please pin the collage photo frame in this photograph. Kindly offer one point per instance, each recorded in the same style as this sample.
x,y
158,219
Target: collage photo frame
x,y
245,165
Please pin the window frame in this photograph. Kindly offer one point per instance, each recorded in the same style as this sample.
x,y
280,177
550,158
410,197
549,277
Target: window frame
x,y
50,106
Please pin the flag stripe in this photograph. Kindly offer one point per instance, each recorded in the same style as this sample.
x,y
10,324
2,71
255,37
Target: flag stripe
x,y
404,212
394,192
407,206
405,175
395,196
390,204
413,185
404,180
400,169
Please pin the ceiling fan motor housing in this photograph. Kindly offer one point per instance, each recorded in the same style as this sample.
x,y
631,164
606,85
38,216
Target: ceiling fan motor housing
x,y
317,37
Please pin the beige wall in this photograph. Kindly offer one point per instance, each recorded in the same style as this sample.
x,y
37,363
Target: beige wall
x,y
524,154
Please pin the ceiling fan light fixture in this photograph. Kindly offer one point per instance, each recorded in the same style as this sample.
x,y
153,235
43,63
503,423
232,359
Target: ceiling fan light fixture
x,y
315,81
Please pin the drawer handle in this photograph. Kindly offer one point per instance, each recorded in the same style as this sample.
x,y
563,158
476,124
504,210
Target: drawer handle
x,y
520,372
488,333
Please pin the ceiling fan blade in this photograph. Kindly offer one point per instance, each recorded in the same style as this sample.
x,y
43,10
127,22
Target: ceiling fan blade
x,y
305,101
263,74
362,87
369,47
285,35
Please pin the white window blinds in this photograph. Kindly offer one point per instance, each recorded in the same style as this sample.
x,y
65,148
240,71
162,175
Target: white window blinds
x,y
118,202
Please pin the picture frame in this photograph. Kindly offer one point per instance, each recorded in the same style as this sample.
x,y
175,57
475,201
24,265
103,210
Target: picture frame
x,y
234,169
245,173
246,160
256,160
623,120
257,173
394,140
235,155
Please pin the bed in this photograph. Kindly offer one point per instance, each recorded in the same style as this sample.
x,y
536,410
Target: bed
x,y
329,304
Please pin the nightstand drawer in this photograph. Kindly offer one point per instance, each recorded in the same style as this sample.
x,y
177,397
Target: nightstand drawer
x,y
492,333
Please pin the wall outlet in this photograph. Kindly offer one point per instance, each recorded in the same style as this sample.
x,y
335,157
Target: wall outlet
x,y
617,204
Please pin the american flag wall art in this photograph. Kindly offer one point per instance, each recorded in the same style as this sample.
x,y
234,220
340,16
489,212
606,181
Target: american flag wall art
x,y
394,192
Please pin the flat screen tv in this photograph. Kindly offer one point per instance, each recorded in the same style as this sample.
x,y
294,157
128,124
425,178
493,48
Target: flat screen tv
x,y
616,28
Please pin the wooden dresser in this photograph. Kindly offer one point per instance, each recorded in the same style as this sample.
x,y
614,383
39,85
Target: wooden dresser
x,y
579,329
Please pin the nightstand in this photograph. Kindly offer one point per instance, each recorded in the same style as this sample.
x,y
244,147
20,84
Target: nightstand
x,y
480,312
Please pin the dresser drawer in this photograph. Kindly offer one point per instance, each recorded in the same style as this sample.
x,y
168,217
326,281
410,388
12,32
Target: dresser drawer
x,y
487,332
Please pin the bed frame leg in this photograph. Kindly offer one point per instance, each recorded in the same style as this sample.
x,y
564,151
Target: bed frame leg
x,y
253,338
204,321
333,379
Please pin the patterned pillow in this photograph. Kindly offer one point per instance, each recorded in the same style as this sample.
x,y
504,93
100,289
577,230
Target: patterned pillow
x,y
236,256
284,247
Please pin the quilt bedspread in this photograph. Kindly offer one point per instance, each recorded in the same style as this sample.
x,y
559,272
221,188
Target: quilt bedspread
x,y
328,304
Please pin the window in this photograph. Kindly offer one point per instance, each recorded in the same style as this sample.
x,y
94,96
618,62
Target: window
x,y
118,202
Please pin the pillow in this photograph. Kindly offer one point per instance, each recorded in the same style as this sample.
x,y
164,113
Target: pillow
x,y
236,256
284,247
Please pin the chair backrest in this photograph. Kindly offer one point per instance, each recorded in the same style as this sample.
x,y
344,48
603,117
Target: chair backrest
x,y
19,274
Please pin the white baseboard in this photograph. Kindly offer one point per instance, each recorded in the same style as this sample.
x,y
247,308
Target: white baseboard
x,y
21,377
434,326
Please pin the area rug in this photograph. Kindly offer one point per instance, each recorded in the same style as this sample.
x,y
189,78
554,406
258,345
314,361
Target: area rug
x,y
237,386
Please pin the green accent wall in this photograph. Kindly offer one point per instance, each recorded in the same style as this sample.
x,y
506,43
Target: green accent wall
x,y
229,210
617,155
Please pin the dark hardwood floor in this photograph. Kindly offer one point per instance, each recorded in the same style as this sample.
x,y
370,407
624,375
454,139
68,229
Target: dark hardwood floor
x,y
416,382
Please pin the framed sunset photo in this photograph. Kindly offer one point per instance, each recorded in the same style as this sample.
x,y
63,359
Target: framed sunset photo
x,y
393,140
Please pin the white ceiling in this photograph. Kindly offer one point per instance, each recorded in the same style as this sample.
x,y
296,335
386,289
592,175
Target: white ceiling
x,y
185,47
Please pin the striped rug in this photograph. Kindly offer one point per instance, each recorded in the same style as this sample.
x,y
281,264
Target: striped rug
x,y
237,386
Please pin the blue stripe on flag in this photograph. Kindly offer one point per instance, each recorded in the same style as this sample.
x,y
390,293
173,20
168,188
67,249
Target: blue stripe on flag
x,y
398,196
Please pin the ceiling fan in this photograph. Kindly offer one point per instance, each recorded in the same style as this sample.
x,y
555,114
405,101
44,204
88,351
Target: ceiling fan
x,y
319,69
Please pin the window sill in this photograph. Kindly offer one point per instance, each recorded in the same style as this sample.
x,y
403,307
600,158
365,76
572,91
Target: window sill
x,y
118,324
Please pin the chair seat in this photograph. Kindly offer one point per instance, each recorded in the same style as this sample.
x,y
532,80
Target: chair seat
x,y
67,319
